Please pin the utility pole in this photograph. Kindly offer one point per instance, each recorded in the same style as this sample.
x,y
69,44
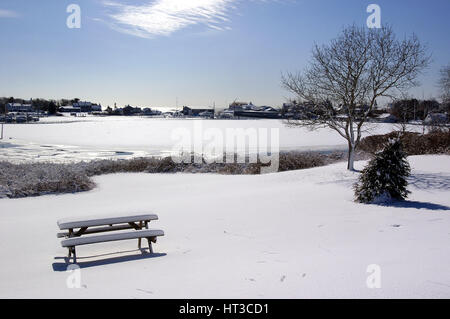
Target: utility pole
x,y
1,135
415,107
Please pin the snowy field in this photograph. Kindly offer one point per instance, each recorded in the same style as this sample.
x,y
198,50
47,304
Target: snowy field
x,y
296,234
62,139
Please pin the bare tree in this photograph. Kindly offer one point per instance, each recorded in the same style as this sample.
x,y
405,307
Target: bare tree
x,y
346,77
444,84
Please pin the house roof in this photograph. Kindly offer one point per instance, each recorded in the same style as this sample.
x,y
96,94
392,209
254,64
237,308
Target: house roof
x,y
200,107
18,104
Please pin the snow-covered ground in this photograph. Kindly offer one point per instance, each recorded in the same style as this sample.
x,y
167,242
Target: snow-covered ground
x,y
64,139
296,234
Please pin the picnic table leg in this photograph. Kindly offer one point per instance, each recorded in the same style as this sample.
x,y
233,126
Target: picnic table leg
x,y
72,252
149,242
150,248
74,255
139,240
70,248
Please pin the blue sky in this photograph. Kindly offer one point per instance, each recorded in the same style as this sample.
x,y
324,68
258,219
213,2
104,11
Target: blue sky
x,y
149,53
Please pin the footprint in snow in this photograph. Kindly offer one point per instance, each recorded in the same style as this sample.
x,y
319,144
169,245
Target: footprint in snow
x,y
146,291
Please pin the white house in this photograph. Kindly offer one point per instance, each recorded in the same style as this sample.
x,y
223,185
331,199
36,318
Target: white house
x,y
87,107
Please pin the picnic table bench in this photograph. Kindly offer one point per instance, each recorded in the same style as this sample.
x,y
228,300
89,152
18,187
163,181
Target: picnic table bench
x,y
75,230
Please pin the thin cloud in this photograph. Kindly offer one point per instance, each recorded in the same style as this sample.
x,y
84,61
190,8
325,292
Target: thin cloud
x,y
8,14
164,17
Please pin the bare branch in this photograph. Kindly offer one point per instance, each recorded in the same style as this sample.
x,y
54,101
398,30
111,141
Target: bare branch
x,y
340,86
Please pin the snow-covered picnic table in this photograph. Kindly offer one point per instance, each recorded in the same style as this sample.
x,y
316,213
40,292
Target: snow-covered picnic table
x,y
75,228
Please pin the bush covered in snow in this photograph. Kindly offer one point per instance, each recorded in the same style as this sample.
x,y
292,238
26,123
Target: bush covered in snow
x,y
296,160
385,177
435,142
22,180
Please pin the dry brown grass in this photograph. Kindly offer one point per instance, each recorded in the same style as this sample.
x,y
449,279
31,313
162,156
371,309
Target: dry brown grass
x,y
435,142
23,180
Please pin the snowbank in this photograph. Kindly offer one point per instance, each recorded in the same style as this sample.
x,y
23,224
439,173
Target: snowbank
x,y
296,234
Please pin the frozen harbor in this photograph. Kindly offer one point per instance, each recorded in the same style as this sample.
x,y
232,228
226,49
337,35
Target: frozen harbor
x,y
81,139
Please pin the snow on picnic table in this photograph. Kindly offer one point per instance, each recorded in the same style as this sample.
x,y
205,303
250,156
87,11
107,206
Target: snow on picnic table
x,y
296,234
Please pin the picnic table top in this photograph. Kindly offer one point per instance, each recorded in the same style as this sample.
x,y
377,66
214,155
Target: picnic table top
x,y
91,221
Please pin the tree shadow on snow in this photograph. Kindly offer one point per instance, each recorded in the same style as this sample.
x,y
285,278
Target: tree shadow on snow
x,y
440,182
414,204
430,181
62,266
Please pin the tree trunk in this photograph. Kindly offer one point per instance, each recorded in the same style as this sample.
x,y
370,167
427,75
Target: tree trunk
x,y
351,147
351,157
